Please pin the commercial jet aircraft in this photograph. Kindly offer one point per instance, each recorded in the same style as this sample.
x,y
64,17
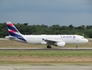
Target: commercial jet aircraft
x,y
56,40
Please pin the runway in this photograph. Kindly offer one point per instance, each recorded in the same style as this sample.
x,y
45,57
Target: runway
x,y
41,49
44,67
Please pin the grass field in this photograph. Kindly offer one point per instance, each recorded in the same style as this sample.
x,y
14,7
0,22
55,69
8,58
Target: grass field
x,y
46,56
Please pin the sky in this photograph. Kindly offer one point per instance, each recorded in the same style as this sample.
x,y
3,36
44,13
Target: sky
x,y
47,12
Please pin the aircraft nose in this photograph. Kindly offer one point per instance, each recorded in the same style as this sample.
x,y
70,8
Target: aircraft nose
x,y
86,40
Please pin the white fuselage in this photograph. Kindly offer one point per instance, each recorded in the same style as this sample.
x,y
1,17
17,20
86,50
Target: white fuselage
x,y
37,39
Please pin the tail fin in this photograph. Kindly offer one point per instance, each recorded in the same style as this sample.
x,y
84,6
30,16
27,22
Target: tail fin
x,y
13,31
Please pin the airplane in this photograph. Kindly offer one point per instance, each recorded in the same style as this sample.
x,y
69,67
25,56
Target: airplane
x,y
56,40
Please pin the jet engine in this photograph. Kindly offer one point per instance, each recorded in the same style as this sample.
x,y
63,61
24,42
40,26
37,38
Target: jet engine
x,y
60,44
43,42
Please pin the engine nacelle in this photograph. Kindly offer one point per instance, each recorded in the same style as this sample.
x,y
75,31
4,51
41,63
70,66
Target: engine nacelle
x,y
60,44
43,42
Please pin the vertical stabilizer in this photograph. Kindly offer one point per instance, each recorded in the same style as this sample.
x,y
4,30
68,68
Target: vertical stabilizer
x,y
13,31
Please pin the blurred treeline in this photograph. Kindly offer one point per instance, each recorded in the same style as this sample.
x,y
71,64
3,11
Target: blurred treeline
x,y
27,29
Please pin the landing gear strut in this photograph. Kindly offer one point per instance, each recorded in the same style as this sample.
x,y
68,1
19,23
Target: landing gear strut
x,y
48,46
76,46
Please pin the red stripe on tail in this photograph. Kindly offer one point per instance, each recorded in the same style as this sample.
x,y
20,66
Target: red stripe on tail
x,y
10,24
12,31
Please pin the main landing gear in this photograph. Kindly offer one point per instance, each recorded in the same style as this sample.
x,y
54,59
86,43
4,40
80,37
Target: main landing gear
x,y
48,46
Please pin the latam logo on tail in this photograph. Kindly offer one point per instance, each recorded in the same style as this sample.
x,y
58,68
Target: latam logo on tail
x,y
14,32
56,40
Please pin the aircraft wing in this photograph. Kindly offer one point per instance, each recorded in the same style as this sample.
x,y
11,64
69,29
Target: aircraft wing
x,y
51,41
54,42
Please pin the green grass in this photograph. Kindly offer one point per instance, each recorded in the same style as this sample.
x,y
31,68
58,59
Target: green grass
x,y
47,56
47,53
52,56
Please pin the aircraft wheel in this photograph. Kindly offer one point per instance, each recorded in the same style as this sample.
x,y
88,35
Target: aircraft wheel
x,y
48,46
76,46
